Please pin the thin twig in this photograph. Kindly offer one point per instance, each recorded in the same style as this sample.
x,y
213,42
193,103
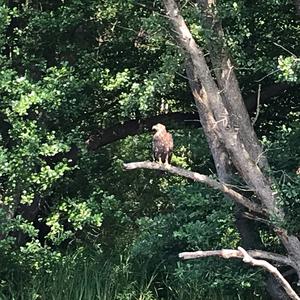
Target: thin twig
x,y
257,105
269,74
285,49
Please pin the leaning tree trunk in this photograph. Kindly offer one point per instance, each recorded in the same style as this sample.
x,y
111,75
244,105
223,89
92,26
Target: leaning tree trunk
x,y
232,99
225,169
225,120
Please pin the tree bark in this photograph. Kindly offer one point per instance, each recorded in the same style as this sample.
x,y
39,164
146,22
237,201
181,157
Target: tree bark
x,y
228,253
222,187
226,118
248,258
225,128
227,82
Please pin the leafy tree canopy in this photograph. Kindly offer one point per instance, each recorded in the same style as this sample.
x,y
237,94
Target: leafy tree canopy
x,y
70,69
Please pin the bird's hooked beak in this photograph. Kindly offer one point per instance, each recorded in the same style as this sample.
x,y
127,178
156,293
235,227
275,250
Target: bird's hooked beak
x,y
154,128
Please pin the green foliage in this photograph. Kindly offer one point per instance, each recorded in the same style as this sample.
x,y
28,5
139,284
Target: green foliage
x,y
284,145
289,67
5,19
69,68
200,219
216,280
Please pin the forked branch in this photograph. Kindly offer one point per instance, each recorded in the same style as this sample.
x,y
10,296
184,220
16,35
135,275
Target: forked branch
x,y
247,258
235,196
229,253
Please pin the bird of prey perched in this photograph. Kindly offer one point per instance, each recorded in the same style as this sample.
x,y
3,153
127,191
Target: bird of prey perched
x,y
162,144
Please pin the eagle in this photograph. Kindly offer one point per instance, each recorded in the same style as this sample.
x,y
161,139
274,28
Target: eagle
x,y
162,144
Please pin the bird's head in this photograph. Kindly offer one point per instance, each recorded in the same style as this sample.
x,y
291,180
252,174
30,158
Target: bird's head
x,y
159,127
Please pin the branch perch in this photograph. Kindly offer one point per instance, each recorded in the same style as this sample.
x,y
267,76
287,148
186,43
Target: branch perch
x,y
247,258
235,196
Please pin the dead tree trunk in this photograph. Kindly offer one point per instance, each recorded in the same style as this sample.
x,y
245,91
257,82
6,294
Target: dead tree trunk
x,y
224,118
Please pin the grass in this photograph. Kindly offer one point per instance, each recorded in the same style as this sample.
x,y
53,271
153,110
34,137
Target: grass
x,y
82,279
88,280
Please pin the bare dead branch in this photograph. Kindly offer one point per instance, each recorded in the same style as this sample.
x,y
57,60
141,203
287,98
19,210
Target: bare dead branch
x,y
270,268
229,253
235,196
248,258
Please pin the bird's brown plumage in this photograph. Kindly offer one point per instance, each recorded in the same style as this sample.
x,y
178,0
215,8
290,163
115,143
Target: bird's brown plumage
x,y
162,144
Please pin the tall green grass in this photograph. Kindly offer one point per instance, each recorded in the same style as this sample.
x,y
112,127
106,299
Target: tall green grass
x,y
92,279
85,280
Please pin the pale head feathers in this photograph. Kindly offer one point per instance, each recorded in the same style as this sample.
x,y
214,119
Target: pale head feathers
x,y
159,127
